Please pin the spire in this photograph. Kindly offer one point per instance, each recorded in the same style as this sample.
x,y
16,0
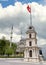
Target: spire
x,y
11,35
21,34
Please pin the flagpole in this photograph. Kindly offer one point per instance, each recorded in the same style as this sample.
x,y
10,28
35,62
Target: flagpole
x,y
30,19
29,10
30,16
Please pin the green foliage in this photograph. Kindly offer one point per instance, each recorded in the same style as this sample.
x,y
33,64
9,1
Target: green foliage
x,y
5,48
9,51
14,46
2,46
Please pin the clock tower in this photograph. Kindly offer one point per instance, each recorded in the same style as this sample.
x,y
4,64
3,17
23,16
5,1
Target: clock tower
x,y
31,50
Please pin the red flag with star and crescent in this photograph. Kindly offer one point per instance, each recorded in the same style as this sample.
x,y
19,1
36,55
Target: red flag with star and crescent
x,y
29,9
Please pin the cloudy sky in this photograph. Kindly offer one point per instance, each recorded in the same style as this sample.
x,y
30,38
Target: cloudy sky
x,y
14,12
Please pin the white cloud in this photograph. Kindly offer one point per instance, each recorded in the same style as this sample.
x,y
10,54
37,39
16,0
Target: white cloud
x,y
20,18
41,41
16,37
1,35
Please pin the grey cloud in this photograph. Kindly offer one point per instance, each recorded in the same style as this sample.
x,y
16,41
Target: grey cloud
x,y
24,18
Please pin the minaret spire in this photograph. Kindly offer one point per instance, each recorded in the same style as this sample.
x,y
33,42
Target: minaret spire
x,y
11,35
21,34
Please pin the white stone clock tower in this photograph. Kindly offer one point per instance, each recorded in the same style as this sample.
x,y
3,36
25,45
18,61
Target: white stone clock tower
x,y
31,50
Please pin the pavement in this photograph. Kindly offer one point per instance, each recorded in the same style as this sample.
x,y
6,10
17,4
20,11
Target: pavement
x,y
18,62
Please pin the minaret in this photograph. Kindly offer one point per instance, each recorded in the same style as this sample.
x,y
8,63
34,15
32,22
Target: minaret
x,y
11,35
21,34
31,50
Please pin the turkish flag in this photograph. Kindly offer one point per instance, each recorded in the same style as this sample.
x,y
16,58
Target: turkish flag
x,y
29,8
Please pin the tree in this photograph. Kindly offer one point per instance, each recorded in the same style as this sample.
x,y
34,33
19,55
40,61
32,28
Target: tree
x,y
9,51
2,46
14,47
5,48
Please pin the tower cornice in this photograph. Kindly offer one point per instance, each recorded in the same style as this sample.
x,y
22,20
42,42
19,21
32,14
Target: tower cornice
x,y
31,29
30,39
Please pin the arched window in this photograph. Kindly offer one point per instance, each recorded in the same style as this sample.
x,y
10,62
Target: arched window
x,y
30,43
29,35
40,52
30,53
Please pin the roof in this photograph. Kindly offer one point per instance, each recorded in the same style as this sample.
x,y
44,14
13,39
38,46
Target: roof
x,y
31,29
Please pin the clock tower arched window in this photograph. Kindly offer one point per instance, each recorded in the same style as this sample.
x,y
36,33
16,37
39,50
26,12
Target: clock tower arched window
x,y
30,44
29,35
30,53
